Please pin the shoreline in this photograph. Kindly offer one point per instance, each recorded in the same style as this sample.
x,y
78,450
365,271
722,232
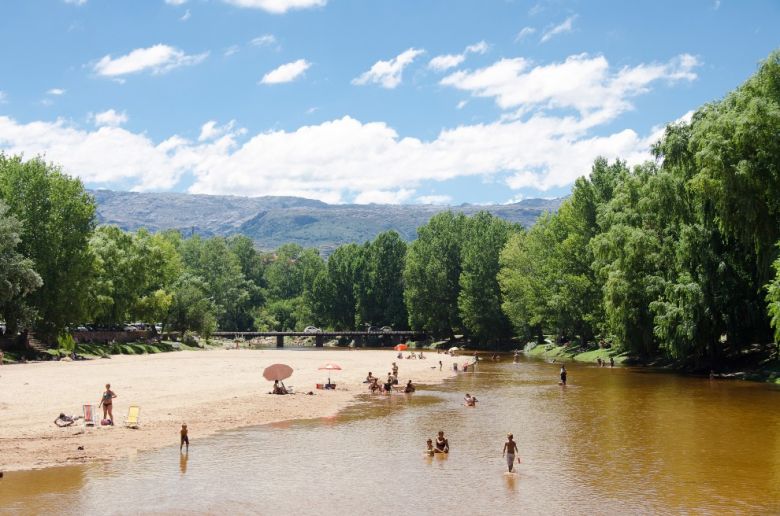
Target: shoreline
x,y
212,391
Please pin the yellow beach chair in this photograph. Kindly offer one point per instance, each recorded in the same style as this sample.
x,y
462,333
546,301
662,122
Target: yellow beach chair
x,y
89,415
133,414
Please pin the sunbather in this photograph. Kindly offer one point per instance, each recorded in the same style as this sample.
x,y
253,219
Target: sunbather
x,y
63,420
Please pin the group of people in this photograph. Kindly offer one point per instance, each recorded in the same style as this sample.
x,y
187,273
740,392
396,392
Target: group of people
x,y
411,356
387,386
442,445
603,363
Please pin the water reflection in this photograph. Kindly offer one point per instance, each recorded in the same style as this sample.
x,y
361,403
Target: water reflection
x,y
612,441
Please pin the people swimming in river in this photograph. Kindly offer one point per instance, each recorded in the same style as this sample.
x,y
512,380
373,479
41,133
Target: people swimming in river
x,y
442,444
510,449
563,374
429,450
469,400
409,387
184,437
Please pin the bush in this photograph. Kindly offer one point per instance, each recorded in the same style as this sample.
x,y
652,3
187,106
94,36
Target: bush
x,y
67,343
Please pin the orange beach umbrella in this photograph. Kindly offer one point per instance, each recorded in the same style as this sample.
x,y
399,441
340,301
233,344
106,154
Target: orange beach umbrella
x,y
401,347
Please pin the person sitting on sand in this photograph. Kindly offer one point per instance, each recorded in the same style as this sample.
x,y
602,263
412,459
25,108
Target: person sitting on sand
x,y
429,450
107,402
442,444
184,438
510,448
399,356
63,420
279,388
409,387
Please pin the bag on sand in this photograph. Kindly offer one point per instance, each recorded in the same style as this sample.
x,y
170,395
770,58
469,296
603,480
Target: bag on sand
x,y
105,422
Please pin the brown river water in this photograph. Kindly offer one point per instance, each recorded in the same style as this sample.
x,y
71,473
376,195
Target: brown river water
x,y
614,441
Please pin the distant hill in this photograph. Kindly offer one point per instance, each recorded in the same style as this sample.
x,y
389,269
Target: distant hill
x,y
273,221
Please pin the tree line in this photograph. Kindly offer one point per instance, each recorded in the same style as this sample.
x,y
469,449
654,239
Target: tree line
x,y
675,256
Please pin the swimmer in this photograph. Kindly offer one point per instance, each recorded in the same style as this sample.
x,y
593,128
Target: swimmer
x,y
442,444
471,401
429,450
510,448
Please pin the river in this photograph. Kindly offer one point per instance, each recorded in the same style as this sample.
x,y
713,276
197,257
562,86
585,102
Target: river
x,y
614,441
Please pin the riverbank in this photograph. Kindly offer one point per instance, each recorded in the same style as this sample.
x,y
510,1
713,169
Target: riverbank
x,y
758,369
211,391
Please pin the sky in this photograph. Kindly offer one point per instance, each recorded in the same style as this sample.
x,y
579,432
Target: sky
x,y
363,101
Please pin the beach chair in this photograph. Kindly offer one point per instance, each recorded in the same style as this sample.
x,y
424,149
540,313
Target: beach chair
x,y
133,414
89,415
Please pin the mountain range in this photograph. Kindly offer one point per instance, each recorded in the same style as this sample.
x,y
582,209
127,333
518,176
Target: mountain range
x,y
273,221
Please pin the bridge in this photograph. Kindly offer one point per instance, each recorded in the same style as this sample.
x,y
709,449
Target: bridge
x,y
394,336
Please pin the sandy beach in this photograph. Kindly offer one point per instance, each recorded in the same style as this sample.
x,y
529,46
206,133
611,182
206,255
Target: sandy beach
x,y
209,390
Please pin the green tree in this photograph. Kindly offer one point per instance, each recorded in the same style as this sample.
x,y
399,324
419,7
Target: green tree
x,y
480,299
333,297
17,276
432,275
380,286
57,217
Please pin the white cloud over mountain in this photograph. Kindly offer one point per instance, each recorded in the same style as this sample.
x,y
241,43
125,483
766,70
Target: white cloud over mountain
x,y
545,139
157,59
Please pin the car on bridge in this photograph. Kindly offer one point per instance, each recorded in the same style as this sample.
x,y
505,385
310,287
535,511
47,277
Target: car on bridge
x,y
312,329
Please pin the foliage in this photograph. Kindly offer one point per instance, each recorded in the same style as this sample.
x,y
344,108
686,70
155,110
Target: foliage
x,y
57,217
17,276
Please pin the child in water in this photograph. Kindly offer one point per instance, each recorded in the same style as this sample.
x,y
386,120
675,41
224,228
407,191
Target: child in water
x,y
184,438
429,450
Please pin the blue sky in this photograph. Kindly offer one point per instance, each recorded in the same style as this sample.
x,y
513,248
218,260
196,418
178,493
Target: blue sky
x,y
442,101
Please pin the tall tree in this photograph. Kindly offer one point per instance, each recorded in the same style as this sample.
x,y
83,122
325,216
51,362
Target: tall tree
x,y
57,217
17,276
480,300
432,275
380,293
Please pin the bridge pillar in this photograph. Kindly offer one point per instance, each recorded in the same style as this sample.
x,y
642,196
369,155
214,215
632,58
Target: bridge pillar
x,y
319,341
280,341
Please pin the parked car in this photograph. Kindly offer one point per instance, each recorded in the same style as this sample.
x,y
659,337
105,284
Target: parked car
x,y
312,329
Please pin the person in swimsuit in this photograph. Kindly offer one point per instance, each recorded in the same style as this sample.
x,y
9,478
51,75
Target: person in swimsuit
x,y
409,387
471,401
510,448
429,450
107,402
563,375
442,444
184,438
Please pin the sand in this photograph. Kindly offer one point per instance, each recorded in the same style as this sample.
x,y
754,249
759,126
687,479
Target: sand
x,y
209,390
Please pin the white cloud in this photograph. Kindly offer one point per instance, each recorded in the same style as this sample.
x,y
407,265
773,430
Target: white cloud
x,y
462,104
76,2
158,58
186,16
447,61
56,92
347,160
582,82
232,49
388,74
277,6
565,26
211,130
434,199
524,32
175,2
286,73
263,41
110,117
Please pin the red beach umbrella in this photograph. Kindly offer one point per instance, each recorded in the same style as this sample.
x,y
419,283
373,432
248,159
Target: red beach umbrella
x,y
330,366
277,372
401,347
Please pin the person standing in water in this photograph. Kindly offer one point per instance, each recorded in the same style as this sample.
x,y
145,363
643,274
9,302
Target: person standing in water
x,y
107,402
563,374
184,438
442,444
510,448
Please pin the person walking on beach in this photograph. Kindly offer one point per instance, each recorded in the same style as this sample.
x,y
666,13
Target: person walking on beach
x,y
439,365
395,369
184,438
107,402
510,448
563,374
